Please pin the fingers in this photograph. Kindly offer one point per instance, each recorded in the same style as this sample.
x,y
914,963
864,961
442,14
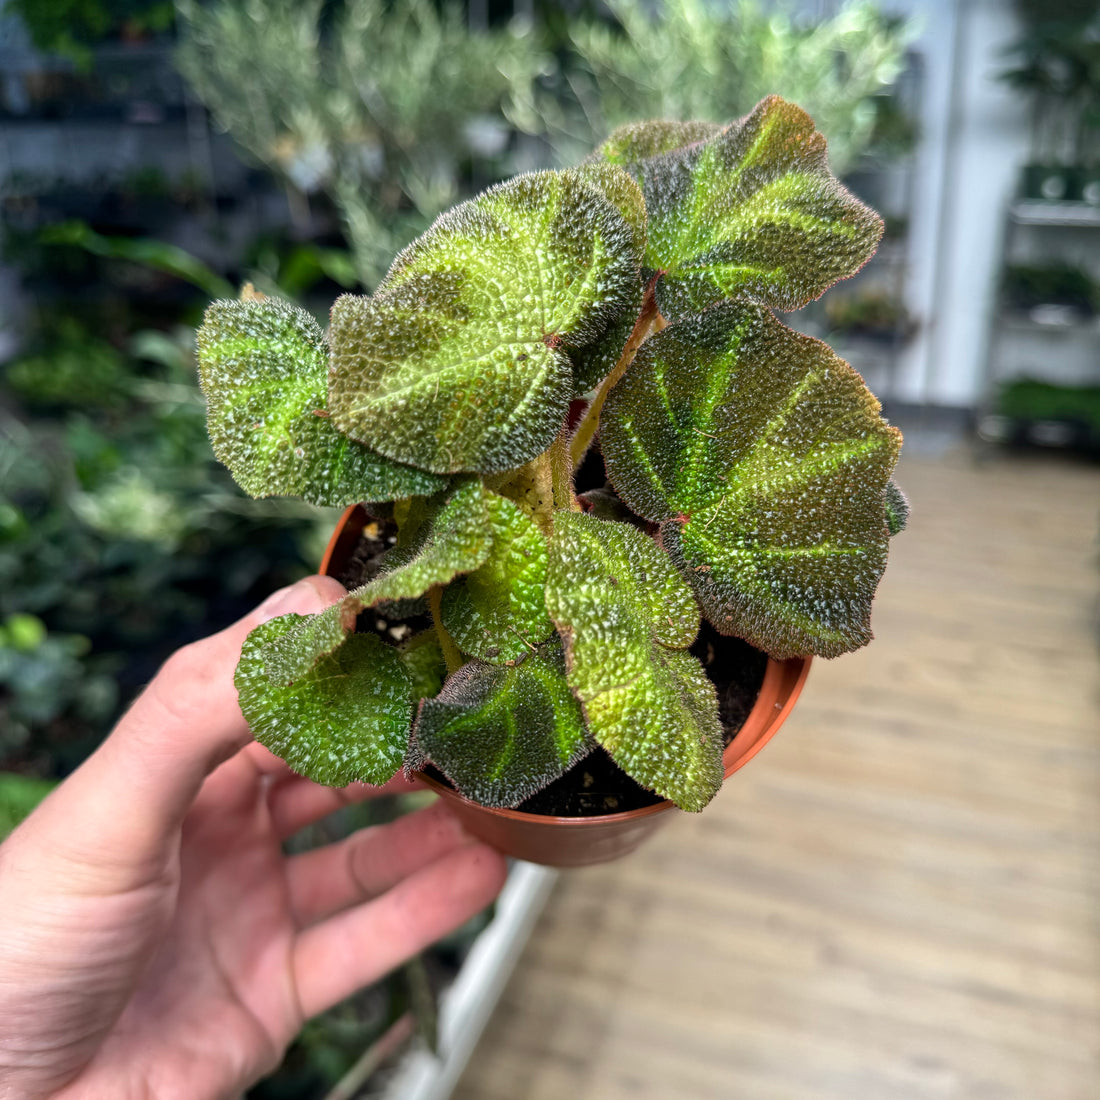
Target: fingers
x,y
296,802
133,792
369,862
333,959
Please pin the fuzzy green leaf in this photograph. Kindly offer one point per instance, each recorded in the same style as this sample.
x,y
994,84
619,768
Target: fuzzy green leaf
x,y
753,211
621,190
593,363
766,460
457,540
346,720
461,360
637,141
263,364
501,734
897,509
423,660
498,612
626,616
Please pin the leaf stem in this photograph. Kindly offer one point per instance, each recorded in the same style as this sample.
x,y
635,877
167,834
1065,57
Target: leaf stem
x,y
586,429
451,653
561,472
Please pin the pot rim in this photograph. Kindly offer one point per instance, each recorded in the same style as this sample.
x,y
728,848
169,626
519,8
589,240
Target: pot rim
x,y
775,672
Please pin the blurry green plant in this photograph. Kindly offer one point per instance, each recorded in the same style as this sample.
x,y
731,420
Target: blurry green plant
x,y
1031,399
71,27
694,59
1057,66
19,794
384,110
143,251
1029,285
874,313
119,534
510,630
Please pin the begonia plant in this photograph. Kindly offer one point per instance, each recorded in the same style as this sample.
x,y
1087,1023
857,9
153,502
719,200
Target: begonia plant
x,y
622,311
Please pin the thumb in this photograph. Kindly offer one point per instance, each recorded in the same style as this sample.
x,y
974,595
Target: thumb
x,y
133,792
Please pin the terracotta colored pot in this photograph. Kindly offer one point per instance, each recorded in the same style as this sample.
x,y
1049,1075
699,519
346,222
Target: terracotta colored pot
x,y
578,841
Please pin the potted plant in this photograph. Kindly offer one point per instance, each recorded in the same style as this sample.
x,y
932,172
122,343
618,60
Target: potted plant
x,y
1056,67
532,616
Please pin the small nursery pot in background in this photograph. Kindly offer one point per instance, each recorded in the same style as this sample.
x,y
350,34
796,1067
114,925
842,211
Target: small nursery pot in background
x,y
579,841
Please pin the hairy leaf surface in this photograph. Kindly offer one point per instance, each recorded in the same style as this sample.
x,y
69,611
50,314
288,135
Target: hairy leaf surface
x,y
626,615
897,509
423,660
498,612
766,460
621,190
347,719
593,363
460,361
263,365
753,211
637,141
501,734
456,540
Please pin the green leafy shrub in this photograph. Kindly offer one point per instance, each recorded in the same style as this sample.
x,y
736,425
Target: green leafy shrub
x,y
1027,286
375,104
694,59
19,794
874,313
749,464
72,27
119,534
1031,399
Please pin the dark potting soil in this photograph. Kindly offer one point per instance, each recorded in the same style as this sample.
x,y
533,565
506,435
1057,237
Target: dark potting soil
x,y
377,536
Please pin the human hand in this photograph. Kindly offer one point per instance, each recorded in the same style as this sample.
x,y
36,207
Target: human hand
x,y
156,942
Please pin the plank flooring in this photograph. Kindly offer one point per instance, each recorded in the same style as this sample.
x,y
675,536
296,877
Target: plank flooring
x,y
900,897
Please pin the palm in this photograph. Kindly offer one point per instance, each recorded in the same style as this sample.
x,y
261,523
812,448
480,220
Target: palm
x,y
221,983
226,992
155,941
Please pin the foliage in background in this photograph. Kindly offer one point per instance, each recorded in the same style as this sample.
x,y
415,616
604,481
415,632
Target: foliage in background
x,y
19,794
395,110
385,110
1057,65
1029,285
121,536
1031,399
71,27
874,313
693,59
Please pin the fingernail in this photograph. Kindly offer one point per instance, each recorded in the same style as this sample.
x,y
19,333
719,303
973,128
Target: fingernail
x,y
281,602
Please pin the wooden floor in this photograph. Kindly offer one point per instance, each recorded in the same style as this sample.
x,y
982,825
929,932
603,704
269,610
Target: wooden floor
x,y
900,897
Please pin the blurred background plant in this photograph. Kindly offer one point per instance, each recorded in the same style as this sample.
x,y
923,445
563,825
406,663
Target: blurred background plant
x,y
70,28
1056,66
392,110
693,59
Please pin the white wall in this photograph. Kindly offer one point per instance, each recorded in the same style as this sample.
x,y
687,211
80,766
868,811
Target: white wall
x,y
974,141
